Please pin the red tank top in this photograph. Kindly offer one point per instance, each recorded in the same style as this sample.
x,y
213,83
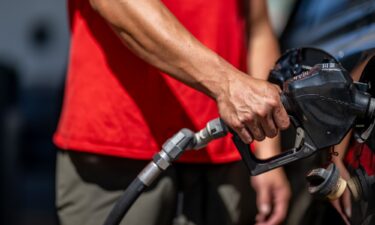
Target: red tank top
x,y
117,104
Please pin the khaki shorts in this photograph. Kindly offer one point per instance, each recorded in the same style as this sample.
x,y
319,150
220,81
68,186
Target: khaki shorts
x,y
88,186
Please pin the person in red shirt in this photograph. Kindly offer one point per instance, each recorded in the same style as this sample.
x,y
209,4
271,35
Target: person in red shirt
x,y
353,154
138,72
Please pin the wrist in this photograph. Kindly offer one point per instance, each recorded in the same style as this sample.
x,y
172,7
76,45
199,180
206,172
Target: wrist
x,y
213,75
267,148
218,84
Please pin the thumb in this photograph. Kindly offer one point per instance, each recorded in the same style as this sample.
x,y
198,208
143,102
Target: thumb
x,y
263,204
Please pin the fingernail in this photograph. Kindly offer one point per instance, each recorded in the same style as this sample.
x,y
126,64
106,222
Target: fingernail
x,y
348,212
265,209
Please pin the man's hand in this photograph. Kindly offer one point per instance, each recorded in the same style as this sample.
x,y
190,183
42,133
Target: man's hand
x,y
252,108
273,193
343,205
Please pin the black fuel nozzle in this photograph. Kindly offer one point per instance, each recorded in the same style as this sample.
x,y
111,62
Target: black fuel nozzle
x,y
323,104
365,123
364,105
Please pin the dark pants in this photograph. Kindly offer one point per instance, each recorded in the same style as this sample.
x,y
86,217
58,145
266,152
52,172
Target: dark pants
x,y
88,185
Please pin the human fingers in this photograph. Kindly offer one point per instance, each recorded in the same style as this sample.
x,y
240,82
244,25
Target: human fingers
x,y
243,133
256,130
347,204
281,118
345,200
278,214
336,204
263,203
268,126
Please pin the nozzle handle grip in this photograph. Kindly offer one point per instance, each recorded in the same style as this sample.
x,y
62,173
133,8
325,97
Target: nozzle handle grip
x,y
257,166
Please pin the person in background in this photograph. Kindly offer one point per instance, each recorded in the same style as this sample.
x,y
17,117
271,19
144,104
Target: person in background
x,y
352,154
138,72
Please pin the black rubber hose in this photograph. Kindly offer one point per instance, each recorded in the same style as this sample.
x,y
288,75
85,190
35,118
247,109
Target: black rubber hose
x,y
125,202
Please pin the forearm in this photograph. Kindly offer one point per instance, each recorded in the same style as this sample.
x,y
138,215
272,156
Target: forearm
x,y
263,52
268,147
263,47
341,148
162,41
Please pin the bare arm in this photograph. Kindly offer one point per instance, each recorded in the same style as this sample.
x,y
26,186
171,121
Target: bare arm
x,y
343,205
154,34
262,55
272,188
150,30
263,45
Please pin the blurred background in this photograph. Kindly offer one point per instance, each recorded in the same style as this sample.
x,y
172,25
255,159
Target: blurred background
x,y
33,53
34,44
